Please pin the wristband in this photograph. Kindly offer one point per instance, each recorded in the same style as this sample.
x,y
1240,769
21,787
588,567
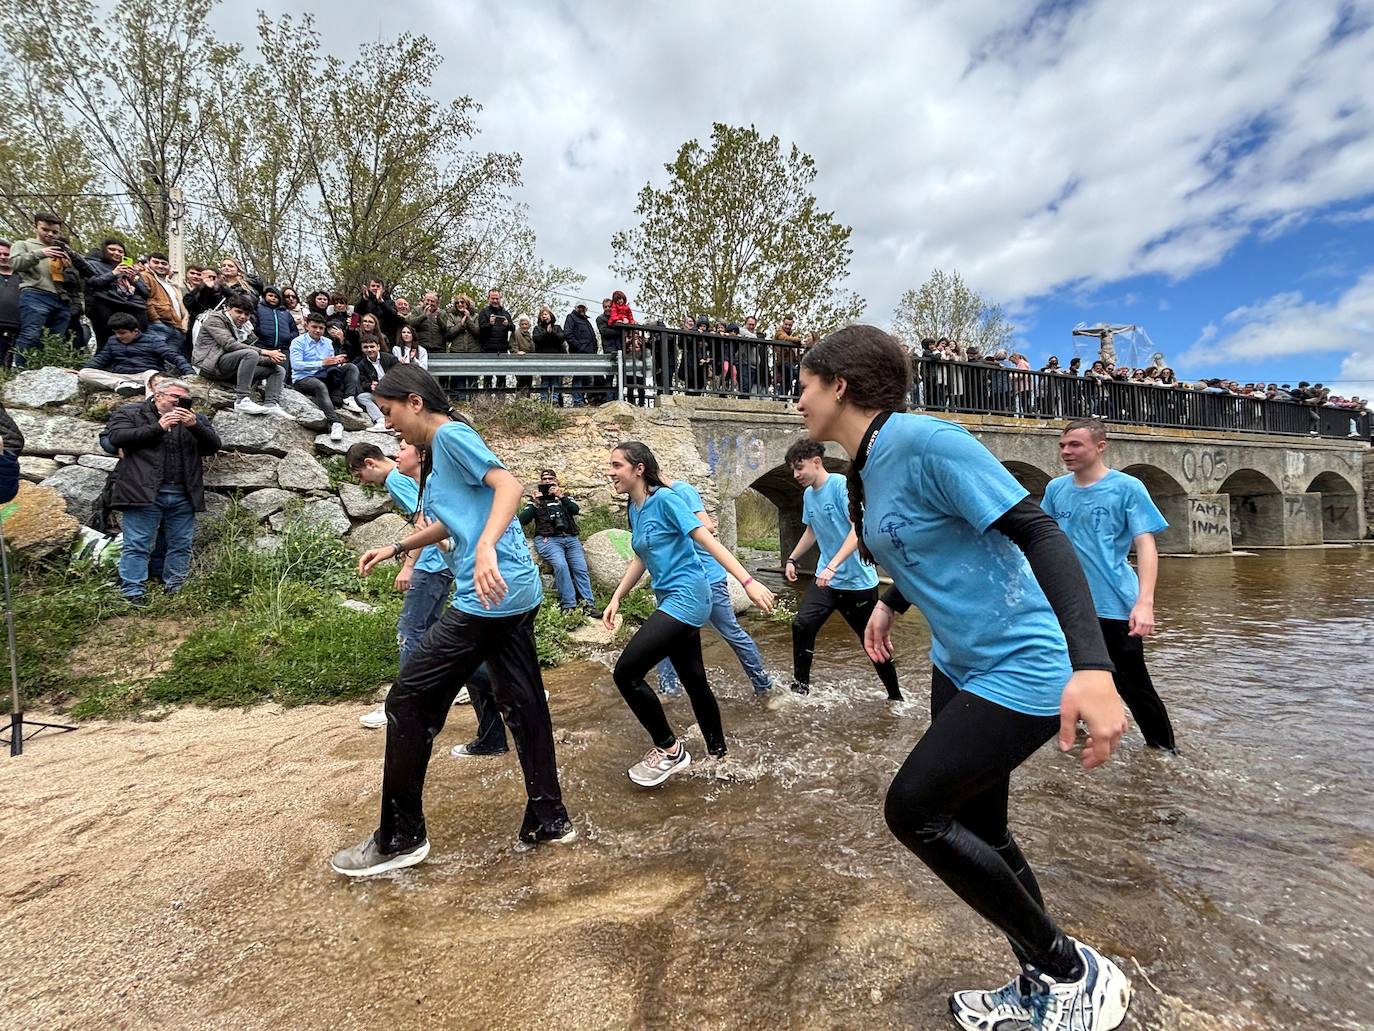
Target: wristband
x,y
791,562
399,549
747,582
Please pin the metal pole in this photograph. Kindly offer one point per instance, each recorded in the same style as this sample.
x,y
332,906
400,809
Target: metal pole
x,y
176,233
16,716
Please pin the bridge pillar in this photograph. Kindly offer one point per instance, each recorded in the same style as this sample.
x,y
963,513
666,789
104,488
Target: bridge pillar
x,y
1205,528
1302,522
1257,521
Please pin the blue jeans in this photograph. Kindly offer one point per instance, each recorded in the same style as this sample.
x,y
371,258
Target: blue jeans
x,y
173,513
174,337
569,563
39,310
423,605
723,619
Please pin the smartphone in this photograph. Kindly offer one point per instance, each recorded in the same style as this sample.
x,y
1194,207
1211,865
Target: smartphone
x,y
186,402
127,262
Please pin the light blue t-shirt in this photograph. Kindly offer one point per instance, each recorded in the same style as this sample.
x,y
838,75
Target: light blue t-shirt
x,y
406,493
457,497
714,571
931,492
660,533
1102,520
826,511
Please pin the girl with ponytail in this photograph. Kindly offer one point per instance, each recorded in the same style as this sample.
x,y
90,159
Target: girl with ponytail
x,y
473,498
663,530
1017,655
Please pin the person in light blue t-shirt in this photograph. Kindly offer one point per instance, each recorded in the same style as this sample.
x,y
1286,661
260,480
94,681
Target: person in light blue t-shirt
x,y
722,608
843,581
1017,654
1105,513
663,532
473,498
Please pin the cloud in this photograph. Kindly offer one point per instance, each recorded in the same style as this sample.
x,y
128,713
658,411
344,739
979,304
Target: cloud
x,y
1287,324
1031,145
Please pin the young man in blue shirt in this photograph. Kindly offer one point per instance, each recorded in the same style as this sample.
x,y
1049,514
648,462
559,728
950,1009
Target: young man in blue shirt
x,y
316,371
843,580
1104,513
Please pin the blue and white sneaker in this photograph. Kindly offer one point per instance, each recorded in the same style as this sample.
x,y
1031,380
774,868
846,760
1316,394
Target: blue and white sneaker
x,y
1006,1009
1097,1001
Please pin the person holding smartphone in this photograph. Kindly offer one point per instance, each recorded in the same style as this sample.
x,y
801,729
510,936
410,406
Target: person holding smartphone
x,y
552,511
159,483
494,328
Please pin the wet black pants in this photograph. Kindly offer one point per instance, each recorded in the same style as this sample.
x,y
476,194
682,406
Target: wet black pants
x,y
663,637
816,607
1134,685
419,701
948,804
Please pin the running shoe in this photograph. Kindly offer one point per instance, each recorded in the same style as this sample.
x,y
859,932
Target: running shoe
x,y
1007,1009
1097,1001
467,751
560,834
374,719
351,405
463,697
129,388
658,765
365,859
335,431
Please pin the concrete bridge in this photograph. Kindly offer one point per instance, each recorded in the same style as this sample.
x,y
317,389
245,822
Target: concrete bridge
x,y
1219,490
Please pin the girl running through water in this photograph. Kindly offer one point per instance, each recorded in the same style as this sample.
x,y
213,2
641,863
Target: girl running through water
x,y
473,498
662,532
1017,655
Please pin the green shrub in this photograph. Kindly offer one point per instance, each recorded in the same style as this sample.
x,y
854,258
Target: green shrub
x,y
595,518
521,415
552,639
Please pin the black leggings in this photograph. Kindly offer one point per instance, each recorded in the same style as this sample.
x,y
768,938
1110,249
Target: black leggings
x,y
948,804
816,607
663,637
419,701
1134,685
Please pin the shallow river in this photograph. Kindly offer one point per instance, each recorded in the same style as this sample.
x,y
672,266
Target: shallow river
x,y
1233,881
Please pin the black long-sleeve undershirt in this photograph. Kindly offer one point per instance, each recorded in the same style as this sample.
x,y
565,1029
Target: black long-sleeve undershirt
x,y
1059,574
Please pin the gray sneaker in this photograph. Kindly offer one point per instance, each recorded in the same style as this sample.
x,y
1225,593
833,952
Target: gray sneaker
x,y
365,859
658,765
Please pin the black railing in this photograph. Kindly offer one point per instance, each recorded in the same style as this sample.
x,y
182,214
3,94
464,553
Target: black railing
x,y
658,361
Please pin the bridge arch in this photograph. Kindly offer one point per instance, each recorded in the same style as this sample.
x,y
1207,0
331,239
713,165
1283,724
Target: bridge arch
x,y
1256,509
1340,506
1033,478
1171,499
777,485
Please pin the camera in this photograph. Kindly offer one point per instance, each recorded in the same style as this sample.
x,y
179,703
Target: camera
x,y
545,489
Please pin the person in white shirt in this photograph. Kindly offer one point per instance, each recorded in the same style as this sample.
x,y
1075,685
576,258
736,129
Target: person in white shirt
x,y
408,350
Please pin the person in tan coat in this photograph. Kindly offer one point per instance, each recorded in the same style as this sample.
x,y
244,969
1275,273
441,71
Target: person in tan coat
x,y
166,310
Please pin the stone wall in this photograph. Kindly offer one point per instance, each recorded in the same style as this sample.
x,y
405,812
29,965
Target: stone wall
x,y
273,465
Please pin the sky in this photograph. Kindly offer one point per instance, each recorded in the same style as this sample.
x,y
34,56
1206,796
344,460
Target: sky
x,y
1203,170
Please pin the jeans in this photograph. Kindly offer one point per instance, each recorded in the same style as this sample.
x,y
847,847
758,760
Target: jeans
x,y
423,605
174,514
948,804
1134,685
569,564
816,607
39,310
663,637
723,619
174,337
243,368
316,387
419,702
369,404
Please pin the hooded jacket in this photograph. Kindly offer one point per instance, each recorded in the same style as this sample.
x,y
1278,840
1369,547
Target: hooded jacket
x,y
274,324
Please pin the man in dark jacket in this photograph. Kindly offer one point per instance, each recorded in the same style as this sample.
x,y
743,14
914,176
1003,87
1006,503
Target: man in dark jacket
x,y
376,300
9,305
555,538
581,337
428,324
159,483
372,366
494,327
125,361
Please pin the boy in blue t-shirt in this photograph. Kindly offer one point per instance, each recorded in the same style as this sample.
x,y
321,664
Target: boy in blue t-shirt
x,y
1104,513
843,581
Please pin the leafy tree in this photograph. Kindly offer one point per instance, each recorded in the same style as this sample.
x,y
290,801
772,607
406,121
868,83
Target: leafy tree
x,y
737,232
945,306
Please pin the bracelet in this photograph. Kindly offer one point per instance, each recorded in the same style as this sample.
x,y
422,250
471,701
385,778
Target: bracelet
x,y
747,582
399,549
791,562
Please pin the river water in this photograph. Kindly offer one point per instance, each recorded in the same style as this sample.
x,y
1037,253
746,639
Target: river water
x,y
1232,882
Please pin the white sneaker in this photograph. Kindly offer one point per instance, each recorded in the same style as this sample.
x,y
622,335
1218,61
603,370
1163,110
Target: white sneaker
x,y
1007,1007
336,431
131,389
277,412
351,404
658,765
1097,1001
379,426
374,719
247,406
463,697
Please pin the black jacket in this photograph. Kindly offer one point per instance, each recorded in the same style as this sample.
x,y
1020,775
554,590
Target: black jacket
x,y
135,430
612,335
103,291
9,300
366,371
553,517
142,353
578,331
389,320
14,439
494,336
548,339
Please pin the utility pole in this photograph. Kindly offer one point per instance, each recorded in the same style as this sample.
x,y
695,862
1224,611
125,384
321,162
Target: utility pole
x,y
176,233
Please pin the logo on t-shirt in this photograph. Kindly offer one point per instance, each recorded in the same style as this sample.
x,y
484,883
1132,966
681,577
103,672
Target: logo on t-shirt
x,y
892,525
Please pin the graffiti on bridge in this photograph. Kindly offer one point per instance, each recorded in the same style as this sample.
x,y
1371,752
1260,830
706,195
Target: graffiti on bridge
x,y
1209,518
1204,465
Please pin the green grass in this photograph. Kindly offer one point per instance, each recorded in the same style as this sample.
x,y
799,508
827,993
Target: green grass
x,y
526,416
756,522
595,518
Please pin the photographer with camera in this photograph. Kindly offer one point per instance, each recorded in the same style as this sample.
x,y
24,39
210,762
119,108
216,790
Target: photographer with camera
x,y
494,327
49,282
159,483
557,542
